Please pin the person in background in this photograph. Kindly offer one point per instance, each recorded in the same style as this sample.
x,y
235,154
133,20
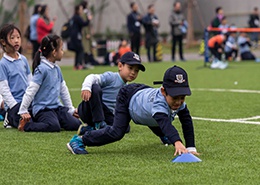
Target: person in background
x,y
75,43
216,45
134,21
254,23
33,31
151,23
231,47
217,20
44,24
176,22
123,48
224,25
244,45
87,37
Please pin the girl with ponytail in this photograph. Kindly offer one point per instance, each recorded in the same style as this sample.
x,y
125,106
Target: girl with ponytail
x,y
48,93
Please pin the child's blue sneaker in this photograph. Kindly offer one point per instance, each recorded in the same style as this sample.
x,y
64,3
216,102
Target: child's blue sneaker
x,y
76,146
165,140
257,60
100,125
84,128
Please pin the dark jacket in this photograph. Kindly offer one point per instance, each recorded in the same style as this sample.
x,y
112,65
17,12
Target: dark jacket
x,y
253,21
133,24
74,43
151,33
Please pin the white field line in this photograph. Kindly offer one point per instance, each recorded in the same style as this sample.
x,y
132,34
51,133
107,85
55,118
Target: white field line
x,y
237,120
227,90
243,120
205,89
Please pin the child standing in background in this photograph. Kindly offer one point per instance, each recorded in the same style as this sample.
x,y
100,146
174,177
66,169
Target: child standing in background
x,y
46,90
99,93
15,73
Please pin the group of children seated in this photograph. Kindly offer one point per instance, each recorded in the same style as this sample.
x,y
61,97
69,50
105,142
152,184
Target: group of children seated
x,y
226,46
228,43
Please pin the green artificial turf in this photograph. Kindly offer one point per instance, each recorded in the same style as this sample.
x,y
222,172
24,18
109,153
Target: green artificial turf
x,y
229,151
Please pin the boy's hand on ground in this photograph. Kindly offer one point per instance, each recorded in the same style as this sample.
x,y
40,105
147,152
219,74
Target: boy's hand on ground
x,y
26,117
179,148
85,95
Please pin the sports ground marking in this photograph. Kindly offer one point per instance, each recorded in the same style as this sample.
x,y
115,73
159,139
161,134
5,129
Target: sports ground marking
x,y
237,120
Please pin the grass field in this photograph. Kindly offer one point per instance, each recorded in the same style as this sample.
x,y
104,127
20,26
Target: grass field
x,y
229,150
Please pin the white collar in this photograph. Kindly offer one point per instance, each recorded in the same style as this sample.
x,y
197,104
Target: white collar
x,y
50,64
12,59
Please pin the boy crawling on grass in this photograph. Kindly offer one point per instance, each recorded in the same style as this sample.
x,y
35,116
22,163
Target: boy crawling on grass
x,y
152,107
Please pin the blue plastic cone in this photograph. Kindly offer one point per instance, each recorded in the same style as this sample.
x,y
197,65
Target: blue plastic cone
x,y
186,158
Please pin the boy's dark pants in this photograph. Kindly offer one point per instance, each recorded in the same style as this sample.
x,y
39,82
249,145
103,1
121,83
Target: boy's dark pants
x,y
52,120
122,118
94,110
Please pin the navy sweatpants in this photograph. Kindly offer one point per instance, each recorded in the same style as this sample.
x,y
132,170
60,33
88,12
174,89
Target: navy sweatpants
x,y
122,118
52,120
94,110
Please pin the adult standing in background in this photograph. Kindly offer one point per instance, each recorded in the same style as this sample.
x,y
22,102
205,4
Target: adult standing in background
x,y
44,24
151,24
176,22
134,21
217,20
33,32
254,23
75,42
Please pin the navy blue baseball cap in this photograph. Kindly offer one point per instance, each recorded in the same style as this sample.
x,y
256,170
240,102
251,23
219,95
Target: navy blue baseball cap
x,y
175,82
132,58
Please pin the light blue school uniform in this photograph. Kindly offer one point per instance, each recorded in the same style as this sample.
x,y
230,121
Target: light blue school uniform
x,y
33,30
49,77
244,48
111,83
230,40
146,103
15,72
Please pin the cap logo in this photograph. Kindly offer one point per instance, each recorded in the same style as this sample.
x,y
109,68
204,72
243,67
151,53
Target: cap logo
x,y
136,57
179,79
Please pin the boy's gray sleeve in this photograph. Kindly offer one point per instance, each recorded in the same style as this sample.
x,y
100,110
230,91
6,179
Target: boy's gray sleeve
x,y
90,80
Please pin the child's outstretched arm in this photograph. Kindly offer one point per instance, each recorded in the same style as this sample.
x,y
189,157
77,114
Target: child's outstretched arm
x,y
170,131
28,97
188,130
87,85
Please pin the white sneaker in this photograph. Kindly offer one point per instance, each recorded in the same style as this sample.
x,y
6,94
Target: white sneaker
x,y
215,64
6,122
223,65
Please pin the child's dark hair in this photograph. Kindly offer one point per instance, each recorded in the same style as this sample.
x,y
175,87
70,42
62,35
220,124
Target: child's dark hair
x,y
36,9
218,9
5,30
48,44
